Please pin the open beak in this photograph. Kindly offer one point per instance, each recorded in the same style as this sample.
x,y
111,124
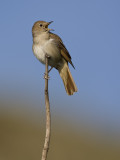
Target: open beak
x,y
48,25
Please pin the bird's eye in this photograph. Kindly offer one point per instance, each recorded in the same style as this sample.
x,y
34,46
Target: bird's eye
x,y
40,25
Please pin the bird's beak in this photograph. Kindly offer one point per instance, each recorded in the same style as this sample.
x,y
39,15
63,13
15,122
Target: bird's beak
x,y
50,22
48,25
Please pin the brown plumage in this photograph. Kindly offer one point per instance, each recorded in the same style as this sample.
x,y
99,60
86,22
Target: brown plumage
x,y
68,81
46,42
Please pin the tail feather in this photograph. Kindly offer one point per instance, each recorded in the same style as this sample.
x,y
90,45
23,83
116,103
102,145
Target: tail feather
x,y
68,81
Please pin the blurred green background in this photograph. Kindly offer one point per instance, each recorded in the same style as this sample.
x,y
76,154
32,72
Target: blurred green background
x,y
22,132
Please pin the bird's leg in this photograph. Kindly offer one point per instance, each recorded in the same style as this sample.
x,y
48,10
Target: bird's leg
x,y
48,72
50,69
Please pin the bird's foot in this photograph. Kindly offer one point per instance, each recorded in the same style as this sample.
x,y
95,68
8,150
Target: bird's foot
x,y
46,76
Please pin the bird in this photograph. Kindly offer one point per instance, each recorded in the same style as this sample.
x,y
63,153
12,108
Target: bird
x,y
46,42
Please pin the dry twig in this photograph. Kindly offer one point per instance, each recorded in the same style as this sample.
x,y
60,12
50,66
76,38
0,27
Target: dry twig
x,y
48,117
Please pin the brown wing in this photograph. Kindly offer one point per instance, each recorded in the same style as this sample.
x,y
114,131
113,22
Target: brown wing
x,y
64,51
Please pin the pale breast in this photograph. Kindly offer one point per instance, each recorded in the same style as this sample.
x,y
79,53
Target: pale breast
x,y
39,53
48,47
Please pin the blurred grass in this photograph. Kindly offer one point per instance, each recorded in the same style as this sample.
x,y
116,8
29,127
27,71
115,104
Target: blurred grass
x,y
22,137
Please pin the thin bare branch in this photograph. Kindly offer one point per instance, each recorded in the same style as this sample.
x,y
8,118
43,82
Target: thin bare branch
x,y
48,117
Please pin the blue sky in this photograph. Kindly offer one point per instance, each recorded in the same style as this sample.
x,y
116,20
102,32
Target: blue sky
x,y
91,32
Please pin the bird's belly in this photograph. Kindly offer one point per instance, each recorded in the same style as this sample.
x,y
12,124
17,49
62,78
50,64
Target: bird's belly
x,y
50,49
39,53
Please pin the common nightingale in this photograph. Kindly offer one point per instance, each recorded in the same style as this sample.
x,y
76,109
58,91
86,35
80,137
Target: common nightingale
x,y
45,42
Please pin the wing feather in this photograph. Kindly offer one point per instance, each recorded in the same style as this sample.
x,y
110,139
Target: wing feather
x,y
64,52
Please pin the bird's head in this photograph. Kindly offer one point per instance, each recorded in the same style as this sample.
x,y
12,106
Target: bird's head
x,y
41,26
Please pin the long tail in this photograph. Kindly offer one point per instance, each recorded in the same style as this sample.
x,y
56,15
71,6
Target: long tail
x,y
68,81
